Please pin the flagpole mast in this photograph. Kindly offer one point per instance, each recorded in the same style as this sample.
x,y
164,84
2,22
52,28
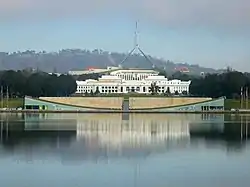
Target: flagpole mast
x,y
241,97
246,97
1,97
7,98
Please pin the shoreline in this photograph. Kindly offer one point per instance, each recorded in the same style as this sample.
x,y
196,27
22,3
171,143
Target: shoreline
x,y
128,112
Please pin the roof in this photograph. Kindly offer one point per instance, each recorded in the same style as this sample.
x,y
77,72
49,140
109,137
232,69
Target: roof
x,y
135,71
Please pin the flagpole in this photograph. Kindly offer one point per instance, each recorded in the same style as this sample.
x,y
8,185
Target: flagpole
x,y
241,97
246,97
1,97
7,98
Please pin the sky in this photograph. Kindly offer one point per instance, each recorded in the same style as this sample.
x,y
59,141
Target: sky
x,y
211,33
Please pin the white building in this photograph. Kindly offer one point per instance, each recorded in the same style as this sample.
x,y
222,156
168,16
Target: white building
x,y
132,80
92,70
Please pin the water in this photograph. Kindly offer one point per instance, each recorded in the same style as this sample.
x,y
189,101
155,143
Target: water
x,y
124,150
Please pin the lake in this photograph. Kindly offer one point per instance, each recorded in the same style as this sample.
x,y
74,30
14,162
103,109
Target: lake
x,y
124,150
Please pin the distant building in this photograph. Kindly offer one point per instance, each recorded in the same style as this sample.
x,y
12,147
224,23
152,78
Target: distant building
x,y
57,74
132,81
182,69
92,70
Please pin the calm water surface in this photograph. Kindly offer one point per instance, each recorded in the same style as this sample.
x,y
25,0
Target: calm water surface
x,y
124,150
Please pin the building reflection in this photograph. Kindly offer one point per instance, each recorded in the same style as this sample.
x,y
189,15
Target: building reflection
x,y
139,130
94,136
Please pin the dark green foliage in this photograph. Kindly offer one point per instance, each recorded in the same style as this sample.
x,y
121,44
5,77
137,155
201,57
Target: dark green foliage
x,y
154,89
36,84
91,93
84,77
181,76
168,93
184,93
216,85
176,93
97,92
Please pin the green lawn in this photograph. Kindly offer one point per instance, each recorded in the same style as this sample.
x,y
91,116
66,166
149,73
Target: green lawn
x,y
235,103
18,102
12,103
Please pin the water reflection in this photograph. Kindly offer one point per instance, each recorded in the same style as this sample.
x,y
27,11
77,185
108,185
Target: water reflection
x,y
105,135
168,144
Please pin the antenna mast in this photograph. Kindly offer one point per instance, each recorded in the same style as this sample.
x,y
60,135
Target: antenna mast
x,y
136,47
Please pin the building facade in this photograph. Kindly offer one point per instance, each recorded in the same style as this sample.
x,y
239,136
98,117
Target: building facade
x,y
119,104
132,81
92,70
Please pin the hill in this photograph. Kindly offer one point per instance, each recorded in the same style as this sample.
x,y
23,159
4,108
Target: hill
x,y
76,59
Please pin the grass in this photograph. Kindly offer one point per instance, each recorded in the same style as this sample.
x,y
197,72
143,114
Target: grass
x,y
18,102
12,103
235,103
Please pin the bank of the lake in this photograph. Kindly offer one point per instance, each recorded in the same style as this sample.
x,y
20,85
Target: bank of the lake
x,y
12,103
235,103
19,102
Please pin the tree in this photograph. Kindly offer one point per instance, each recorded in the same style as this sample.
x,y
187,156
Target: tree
x,y
154,89
89,76
15,81
216,85
51,86
66,85
168,93
97,91
181,76
91,93
36,84
162,72
184,93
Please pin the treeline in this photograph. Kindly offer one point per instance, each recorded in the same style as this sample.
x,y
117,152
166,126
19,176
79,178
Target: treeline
x,y
227,84
36,84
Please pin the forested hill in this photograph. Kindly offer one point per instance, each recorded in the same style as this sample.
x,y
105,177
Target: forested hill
x,y
75,59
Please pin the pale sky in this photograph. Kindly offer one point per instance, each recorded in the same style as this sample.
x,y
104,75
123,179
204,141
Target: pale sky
x,y
212,33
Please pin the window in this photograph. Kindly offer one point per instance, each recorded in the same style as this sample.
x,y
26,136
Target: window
x,y
36,107
144,89
28,107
